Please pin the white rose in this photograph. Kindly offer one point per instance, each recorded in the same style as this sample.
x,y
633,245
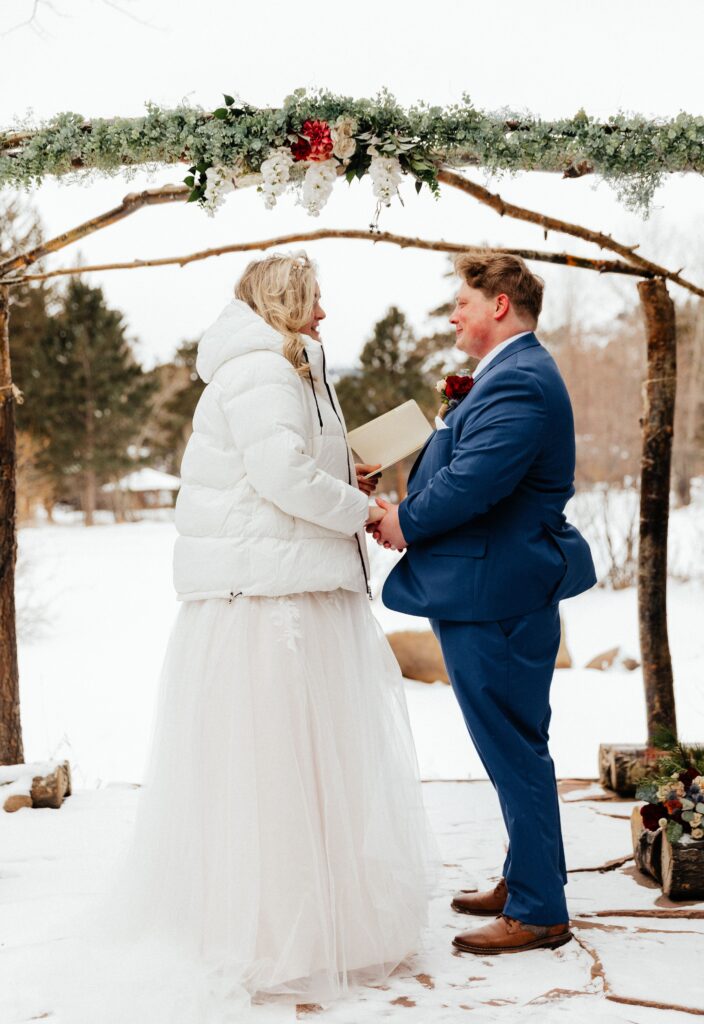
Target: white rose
x,y
344,147
697,833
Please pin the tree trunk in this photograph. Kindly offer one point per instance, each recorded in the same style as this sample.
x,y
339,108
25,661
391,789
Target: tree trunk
x,y
656,456
11,749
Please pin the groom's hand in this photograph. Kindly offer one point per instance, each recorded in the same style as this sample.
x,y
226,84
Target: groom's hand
x,y
387,532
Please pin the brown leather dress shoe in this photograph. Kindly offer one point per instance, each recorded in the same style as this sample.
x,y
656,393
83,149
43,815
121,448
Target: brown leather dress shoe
x,y
490,902
507,935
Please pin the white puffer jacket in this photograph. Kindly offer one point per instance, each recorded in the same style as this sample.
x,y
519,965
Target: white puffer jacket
x,y
269,502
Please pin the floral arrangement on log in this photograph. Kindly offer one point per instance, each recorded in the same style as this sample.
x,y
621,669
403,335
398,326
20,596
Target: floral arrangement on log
x,y
631,152
675,800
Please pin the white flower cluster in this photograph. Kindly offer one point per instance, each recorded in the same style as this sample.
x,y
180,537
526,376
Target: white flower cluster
x,y
385,172
317,185
276,173
219,181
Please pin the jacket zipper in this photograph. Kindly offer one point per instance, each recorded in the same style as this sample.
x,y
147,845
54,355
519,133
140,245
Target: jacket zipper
x,y
349,472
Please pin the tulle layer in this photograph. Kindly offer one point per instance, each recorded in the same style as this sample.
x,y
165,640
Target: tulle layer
x,y
280,848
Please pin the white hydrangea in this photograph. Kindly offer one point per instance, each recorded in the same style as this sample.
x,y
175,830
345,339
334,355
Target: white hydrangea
x,y
385,172
317,185
219,181
276,174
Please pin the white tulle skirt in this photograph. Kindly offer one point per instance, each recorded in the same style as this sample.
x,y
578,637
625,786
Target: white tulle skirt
x,y
280,849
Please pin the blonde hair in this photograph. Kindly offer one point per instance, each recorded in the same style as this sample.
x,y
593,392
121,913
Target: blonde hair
x,y
281,289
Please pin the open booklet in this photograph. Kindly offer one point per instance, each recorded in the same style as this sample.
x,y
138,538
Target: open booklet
x,y
391,436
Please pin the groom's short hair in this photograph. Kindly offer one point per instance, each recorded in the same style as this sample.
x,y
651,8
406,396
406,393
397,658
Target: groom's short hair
x,y
496,272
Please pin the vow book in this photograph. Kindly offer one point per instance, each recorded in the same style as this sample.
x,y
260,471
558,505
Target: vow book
x,y
391,436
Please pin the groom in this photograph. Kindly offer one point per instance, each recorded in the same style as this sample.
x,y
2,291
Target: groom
x,y
489,556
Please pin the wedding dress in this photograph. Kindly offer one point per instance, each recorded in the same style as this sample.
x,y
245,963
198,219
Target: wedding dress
x,y
280,849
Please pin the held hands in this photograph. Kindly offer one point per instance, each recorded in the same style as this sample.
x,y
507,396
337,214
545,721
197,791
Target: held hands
x,y
384,526
367,486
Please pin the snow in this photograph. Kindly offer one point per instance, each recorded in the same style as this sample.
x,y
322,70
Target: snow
x,y
146,479
55,862
95,608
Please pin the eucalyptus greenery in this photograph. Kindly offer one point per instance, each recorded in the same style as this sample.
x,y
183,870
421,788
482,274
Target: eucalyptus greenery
x,y
631,152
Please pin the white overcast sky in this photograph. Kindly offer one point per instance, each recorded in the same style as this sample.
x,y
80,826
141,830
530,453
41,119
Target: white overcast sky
x,y
550,57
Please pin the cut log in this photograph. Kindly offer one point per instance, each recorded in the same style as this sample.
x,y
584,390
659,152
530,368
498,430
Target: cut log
x,y
419,656
622,766
38,784
683,870
16,801
50,790
647,847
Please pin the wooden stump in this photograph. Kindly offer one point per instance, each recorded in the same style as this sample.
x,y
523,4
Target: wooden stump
x,y
678,867
50,790
622,766
682,869
44,791
647,847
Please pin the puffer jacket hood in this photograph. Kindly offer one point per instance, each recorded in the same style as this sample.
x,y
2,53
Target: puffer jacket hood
x,y
236,331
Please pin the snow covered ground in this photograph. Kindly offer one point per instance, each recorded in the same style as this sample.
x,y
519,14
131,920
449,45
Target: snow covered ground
x,y
54,862
96,606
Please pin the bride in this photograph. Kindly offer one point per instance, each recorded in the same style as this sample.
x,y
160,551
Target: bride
x,y
280,842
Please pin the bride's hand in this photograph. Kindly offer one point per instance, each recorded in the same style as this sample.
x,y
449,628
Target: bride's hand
x,y
367,486
376,514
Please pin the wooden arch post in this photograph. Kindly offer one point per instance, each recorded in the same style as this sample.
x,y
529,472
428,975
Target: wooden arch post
x,y
659,390
11,748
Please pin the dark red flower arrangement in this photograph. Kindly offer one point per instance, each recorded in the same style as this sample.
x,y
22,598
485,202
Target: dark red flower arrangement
x,y
455,387
314,142
675,803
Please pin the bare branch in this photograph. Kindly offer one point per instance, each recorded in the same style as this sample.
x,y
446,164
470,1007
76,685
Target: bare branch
x,y
547,223
402,241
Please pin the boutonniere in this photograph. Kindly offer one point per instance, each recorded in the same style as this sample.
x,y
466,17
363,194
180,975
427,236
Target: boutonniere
x,y
454,388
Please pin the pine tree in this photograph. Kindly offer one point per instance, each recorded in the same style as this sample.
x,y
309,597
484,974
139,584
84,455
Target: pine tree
x,y
91,394
393,369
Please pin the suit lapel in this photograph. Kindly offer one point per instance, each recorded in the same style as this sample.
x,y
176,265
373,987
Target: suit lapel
x,y
526,341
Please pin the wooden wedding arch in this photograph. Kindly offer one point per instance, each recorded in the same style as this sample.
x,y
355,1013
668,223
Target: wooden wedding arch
x,y
432,146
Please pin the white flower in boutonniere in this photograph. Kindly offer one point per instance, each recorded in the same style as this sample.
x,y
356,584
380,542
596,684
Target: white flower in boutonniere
x,y
317,185
385,172
276,175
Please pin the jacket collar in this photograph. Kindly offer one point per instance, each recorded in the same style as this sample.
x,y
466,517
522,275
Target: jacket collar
x,y
525,341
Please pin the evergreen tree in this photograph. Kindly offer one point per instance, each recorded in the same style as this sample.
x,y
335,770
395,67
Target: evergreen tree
x,y
91,393
394,368
169,425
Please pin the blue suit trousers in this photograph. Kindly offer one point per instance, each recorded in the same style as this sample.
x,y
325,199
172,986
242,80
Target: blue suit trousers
x,y
501,673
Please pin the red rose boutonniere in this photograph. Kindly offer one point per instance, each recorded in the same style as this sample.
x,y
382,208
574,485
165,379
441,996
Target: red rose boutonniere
x,y
454,388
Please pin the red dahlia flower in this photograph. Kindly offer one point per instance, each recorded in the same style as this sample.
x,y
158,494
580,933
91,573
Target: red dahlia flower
x,y
314,143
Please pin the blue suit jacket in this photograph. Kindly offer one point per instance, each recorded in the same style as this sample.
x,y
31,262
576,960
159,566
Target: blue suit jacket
x,y
484,520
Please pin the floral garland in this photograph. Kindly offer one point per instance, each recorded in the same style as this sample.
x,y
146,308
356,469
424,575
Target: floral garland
x,y
312,160
630,152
